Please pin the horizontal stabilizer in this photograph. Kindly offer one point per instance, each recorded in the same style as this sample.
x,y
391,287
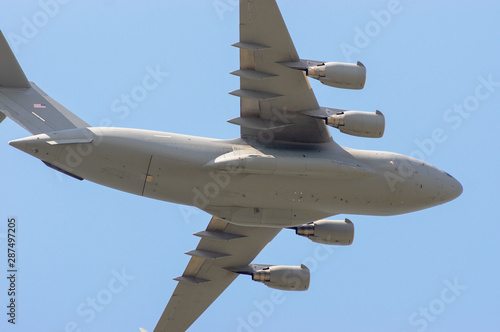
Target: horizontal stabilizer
x,y
27,104
36,112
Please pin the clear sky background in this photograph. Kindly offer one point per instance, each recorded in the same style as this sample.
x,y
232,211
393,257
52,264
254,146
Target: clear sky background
x,y
433,270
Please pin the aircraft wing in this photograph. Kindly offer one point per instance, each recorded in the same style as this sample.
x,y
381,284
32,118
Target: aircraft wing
x,y
223,246
272,94
272,97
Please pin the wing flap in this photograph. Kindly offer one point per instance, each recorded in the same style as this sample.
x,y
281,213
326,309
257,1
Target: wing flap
x,y
255,94
269,90
205,278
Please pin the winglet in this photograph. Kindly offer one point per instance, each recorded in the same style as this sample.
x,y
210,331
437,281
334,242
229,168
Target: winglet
x,y
142,330
11,74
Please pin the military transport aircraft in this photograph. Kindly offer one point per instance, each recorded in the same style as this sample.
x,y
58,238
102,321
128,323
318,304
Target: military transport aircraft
x,y
285,171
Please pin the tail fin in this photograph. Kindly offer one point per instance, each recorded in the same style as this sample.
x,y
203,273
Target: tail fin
x,y
11,74
27,104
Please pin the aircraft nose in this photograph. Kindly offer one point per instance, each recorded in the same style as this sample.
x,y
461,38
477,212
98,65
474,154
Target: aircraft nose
x,y
447,187
452,188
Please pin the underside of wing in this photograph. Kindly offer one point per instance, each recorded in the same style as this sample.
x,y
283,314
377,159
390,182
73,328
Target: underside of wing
x,y
272,94
223,248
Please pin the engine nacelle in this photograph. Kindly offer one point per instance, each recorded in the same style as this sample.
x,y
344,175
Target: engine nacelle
x,y
335,232
294,278
356,123
339,75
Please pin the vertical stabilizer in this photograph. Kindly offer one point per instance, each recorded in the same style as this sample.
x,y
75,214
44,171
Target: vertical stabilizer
x,y
11,74
27,104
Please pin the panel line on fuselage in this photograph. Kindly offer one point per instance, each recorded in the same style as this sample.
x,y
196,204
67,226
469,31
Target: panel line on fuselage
x,y
147,175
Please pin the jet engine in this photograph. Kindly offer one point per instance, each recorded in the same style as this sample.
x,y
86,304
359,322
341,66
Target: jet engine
x,y
293,278
335,232
356,123
339,75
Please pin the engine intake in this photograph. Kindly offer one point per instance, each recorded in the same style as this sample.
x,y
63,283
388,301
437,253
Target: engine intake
x,y
334,232
356,123
339,75
293,278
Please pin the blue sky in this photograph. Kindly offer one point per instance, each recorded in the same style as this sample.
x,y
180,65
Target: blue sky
x,y
432,68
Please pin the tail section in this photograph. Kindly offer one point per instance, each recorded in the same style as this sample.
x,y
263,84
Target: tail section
x,y
25,103
11,74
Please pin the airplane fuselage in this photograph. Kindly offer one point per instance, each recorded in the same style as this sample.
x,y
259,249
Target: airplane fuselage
x,y
246,182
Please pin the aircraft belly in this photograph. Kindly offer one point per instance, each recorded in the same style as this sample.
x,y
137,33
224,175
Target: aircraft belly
x,y
291,200
237,196
172,180
124,170
299,186
265,200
